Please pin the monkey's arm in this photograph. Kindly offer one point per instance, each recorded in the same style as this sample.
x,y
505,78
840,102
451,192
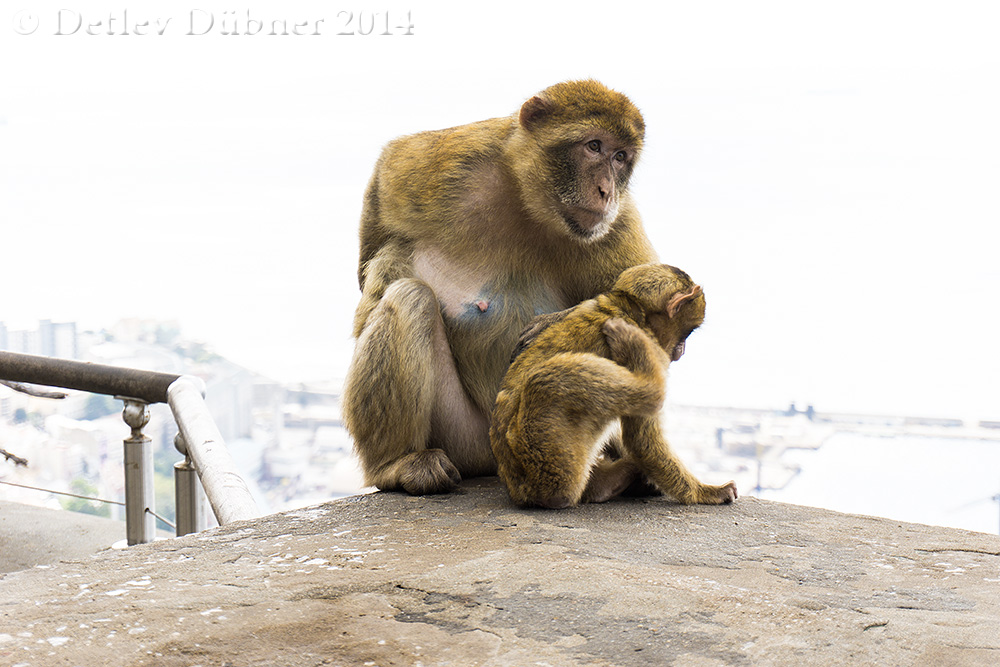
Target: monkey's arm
x,y
393,261
373,236
643,439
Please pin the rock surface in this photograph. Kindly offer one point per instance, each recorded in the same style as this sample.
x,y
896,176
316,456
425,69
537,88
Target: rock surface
x,y
466,579
32,536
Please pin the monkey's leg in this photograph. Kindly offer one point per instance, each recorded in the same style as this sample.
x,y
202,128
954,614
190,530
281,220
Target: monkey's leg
x,y
615,473
609,479
642,437
566,404
457,425
390,392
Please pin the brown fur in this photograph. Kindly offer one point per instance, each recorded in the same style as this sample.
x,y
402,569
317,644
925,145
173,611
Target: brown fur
x,y
466,234
579,371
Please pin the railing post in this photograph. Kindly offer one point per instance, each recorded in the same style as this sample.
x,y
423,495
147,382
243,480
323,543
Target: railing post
x,y
216,482
227,491
140,525
187,492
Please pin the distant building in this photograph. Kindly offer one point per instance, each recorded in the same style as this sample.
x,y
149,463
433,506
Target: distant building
x,y
50,339
25,342
58,339
229,397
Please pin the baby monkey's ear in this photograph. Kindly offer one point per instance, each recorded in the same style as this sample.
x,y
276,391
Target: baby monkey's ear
x,y
679,299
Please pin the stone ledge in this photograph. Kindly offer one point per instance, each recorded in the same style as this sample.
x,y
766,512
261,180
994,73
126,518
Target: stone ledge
x,y
32,535
467,579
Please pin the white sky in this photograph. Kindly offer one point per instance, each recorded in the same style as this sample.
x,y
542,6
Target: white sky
x,y
829,172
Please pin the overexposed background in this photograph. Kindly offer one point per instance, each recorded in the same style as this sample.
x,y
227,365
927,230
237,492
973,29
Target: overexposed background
x,y
828,171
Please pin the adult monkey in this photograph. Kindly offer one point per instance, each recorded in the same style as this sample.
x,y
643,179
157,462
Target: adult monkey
x,y
466,234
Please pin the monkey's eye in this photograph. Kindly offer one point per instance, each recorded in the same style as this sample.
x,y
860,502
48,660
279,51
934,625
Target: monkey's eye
x,y
594,145
620,156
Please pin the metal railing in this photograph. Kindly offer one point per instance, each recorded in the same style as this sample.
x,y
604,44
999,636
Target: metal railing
x,y
205,455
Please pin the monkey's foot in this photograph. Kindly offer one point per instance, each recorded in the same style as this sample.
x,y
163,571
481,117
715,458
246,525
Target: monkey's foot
x,y
717,495
429,471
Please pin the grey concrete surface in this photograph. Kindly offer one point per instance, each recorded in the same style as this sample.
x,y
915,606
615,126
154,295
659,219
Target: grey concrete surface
x,y
31,536
466,579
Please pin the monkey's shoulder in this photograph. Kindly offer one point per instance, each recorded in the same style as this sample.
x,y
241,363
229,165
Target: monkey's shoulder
x,y
432,153
440,178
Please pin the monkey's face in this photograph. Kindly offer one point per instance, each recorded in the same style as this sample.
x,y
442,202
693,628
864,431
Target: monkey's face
x,y
577,144
685,330
589,175
672,332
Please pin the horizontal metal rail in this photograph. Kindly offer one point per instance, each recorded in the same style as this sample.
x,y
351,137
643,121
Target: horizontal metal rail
x,y
147,386
199,439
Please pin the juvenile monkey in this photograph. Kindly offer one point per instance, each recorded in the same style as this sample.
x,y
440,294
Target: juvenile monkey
x,y
466,234
576,373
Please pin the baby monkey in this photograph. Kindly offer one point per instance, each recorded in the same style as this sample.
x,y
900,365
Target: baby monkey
x,y
575,374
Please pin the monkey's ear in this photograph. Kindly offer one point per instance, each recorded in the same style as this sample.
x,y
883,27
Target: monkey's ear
x,y
678,300
533,111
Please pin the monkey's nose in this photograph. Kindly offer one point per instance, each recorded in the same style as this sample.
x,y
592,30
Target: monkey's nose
x,y
606,189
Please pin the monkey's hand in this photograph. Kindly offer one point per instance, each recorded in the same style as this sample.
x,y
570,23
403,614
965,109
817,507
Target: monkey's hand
x,y
717,495
627,341
428,471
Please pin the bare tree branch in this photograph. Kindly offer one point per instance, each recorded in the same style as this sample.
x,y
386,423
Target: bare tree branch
x,y
31,391
18,461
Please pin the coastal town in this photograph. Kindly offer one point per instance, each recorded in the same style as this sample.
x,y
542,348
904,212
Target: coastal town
x,y
289,442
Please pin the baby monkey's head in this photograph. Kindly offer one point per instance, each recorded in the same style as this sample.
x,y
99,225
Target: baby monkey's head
x,y
673,305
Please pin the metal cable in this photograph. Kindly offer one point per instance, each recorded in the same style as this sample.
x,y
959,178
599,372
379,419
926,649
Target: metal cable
x,y
67,493
100,500
173,526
